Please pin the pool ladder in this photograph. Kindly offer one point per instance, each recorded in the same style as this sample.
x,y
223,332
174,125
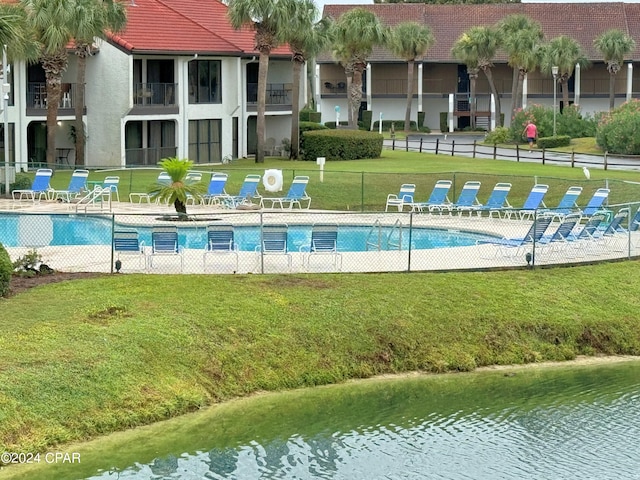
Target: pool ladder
x,y
378,240
97,197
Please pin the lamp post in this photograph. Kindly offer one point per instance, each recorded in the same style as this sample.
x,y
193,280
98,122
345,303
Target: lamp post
x,y
5,106
554,72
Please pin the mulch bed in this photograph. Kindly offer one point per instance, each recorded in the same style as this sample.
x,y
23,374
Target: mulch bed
x,y
20,283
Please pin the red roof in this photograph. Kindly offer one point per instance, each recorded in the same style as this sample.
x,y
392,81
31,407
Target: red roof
x,y
184,27
580,21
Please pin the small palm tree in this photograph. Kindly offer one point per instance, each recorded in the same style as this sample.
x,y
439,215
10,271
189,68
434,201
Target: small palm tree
x,y
614,45
180,187
410,40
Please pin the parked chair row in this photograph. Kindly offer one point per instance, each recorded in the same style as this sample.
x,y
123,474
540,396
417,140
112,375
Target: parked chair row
x,y
41,186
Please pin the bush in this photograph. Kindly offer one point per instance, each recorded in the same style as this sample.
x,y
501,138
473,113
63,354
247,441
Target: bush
x,y
367,118
572,123
341,145
398,125
310,115
538,114
552,142
309,126
22,182
6,270
499,135
421,116
332,125
444,126
619,130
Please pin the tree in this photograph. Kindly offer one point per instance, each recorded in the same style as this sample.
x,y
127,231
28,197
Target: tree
x,y
464,50
565,53
267,18
614,45
410,40
306,38
354,34
181,186
51,21
92,18
521,39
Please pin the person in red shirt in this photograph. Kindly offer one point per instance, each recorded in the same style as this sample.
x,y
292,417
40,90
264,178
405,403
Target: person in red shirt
x,y
531,133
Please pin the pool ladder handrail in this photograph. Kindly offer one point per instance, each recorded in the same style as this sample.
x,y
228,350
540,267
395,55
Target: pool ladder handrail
x,y
97,195
380,238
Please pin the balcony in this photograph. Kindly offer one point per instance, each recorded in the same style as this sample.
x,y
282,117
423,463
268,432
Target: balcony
x,y
154,94
37,98
278,96
148,156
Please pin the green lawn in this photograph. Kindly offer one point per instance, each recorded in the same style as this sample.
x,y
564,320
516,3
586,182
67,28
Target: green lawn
x,y
84,358
364,184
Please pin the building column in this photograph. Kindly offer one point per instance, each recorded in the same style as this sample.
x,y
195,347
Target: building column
x,y
369,102
420,68
576,98
629,81
525,90
316,81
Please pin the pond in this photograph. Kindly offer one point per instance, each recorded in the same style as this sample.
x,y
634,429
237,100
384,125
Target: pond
x,y
568,422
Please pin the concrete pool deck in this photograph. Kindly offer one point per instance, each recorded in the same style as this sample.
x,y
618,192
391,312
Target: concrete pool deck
x,y
99,258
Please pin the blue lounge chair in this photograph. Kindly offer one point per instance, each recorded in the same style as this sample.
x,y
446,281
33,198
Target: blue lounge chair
x,y
559,239
129,243
39,187
496,201
568,204
324,242
164,242
532,204
77,185
402,198
216,189
468,198
585,238
615,232
596,202
438,200
247,194
295,196
220,242
273,242
513,247
163,179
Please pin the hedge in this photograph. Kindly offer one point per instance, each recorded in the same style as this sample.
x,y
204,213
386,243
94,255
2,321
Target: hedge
x,y
341,145
553,142
6,270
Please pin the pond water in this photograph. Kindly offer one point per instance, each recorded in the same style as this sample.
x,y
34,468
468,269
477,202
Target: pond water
x,y
578,422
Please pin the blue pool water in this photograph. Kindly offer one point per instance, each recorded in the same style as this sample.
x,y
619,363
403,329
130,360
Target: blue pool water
x,y
43,230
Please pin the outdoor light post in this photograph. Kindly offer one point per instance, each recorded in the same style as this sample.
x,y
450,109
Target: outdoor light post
x,y
5,105
554,72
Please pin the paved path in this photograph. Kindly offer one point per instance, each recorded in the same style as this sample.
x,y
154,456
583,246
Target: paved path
x,y
463,145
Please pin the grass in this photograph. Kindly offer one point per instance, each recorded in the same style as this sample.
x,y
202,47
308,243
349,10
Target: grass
x,y
110,353
364,184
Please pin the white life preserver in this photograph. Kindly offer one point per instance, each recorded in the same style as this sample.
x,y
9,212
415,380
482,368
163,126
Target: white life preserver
x,y
272,180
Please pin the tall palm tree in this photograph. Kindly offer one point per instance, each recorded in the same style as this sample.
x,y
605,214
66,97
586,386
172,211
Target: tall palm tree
x,y
354,34
306,38
521,39
410,40
565,53
51,20
486,41
267,18
93,18
465,51
614,45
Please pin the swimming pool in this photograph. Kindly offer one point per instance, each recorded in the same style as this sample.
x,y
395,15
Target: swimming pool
x,y
56,230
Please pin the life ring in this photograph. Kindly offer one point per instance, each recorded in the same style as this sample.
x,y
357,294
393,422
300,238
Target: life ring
x,y
272,180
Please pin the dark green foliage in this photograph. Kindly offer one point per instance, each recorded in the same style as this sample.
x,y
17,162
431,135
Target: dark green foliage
x,y
367,118
308,126
309,115
421,119
444,127
570,122
6,269
553,142
398,125
22,182
499,135
332,125
341,145
619,130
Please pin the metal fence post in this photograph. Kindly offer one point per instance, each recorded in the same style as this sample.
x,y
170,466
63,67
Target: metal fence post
x,y
362,191
437,145
113,227
453,148
409,245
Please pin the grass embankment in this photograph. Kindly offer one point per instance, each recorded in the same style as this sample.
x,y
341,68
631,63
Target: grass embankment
x,y
365,184
88,357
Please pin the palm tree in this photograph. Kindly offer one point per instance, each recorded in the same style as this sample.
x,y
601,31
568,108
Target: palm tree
x,y
306,38
92,19
521,38
267,18
410,40
565,53
486,41
51,21
181,186
464,50
354,35
614,45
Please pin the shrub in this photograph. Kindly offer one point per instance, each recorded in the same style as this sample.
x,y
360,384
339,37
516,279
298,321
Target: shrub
x,y
572,123
444,127
398,125
310,115
6,270
619,130
332,125
499,135
367,118
341,145
309,126
538,114
552,142
22,182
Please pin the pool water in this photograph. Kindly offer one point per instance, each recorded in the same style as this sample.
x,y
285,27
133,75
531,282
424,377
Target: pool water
x,y
56,230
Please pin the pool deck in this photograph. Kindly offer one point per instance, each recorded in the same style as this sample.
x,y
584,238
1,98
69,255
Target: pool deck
x,y
99,258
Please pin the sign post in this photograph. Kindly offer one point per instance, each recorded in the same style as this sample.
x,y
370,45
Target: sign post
x,y
337,116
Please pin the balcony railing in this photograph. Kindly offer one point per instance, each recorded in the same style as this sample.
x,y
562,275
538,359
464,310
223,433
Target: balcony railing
x,y
37,95
154,94
277,93
148,156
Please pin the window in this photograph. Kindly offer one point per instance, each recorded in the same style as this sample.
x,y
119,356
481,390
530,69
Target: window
x,y
204,141
204,81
